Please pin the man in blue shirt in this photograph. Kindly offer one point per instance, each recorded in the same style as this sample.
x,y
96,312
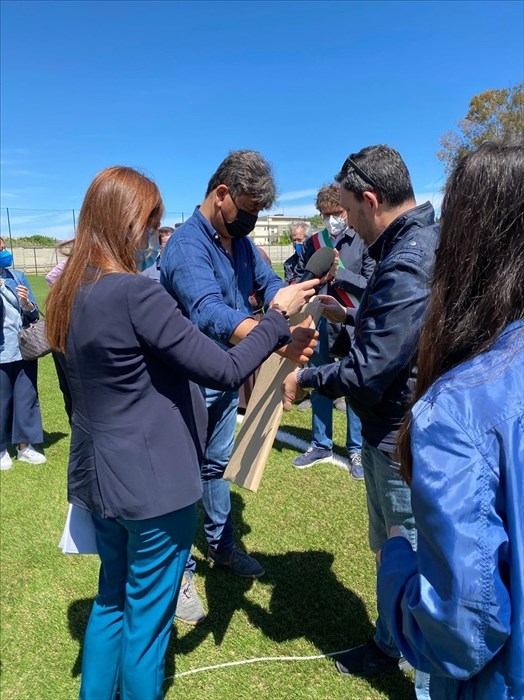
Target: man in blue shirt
x,y
211,267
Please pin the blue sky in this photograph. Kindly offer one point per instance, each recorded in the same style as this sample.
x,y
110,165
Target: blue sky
x,y
171,87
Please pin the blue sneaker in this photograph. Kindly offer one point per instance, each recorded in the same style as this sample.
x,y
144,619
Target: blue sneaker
x,y
355,466
311,456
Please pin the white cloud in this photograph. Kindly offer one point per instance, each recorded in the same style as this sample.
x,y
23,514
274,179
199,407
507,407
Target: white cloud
x,y
298,210
296,194
28,173
434,197
308,208
9,195
54,224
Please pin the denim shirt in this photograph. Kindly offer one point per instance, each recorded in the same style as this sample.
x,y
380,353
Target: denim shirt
x,y
212,287
12,315
456,607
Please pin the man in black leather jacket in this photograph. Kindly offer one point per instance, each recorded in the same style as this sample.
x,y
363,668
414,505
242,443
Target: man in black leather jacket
x,y
377,373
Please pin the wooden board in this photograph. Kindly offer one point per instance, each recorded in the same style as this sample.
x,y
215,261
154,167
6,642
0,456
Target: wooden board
x,y
264,412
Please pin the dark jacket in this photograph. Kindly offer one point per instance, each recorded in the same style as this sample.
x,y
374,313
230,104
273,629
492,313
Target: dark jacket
x,y
377,375
289,268
139,423
352,278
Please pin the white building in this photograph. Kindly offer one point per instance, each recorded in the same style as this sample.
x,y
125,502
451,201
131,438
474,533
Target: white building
x,y
270,228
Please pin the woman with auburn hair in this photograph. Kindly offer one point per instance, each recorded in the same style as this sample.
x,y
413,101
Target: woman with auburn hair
x,y
138,423
456,606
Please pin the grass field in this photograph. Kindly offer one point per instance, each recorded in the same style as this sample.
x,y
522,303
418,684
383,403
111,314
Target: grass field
x,y
306,527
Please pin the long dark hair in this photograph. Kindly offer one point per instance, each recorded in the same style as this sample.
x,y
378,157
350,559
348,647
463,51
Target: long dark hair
x,y
119,205
478,281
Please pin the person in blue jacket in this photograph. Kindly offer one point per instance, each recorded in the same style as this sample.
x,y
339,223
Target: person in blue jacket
x,y
456,607
20,417
133,362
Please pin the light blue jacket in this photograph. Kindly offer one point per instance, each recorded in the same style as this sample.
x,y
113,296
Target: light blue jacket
x,y
456,607
12,316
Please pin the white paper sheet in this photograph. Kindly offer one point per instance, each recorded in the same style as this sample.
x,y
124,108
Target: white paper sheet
x,y
78,536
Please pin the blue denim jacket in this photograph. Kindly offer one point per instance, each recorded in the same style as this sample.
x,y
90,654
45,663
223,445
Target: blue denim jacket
x,y
9,349
378,372
212,288
456,607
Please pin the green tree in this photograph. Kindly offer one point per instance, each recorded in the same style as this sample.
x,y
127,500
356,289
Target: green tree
x,y
316,221
493,115
35,240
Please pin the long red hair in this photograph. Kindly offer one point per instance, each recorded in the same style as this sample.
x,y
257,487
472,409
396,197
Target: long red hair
x,y
119,206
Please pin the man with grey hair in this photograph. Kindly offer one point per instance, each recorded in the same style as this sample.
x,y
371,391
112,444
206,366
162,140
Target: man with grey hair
x,y
211,267
300,231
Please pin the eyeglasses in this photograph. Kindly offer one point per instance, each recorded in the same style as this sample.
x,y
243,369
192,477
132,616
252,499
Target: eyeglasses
x,y
348,163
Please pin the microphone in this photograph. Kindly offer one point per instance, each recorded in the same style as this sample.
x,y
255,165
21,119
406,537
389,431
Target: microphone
x,y
318,265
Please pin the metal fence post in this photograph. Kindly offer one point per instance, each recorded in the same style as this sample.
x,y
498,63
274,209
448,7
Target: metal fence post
x,y
10,237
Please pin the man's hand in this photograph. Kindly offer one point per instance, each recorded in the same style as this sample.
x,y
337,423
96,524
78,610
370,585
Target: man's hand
x,y
293,297
291,390
333,269
331,309
394,531
302,342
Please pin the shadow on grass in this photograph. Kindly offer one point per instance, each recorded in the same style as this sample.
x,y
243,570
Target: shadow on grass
x,y
77,617
307,602
52,438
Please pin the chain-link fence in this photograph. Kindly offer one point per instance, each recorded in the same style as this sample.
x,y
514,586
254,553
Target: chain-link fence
x,y
59,225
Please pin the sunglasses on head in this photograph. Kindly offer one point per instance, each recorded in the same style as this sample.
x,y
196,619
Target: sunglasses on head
x,y
348,163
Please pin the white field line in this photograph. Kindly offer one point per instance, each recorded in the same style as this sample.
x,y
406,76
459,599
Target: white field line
x,y
294,441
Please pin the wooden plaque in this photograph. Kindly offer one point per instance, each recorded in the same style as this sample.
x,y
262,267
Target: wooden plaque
x,y
263,414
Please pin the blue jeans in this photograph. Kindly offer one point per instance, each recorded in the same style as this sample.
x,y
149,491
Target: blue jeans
x,y
322,407
216,491
142,562
389,503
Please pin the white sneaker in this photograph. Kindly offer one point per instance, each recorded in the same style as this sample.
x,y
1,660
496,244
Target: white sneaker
x,y
29,454
5,460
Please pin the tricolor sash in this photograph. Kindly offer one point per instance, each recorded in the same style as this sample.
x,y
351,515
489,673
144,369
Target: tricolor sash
x,y
322,239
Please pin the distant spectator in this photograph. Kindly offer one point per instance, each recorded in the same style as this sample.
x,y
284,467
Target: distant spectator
x,y
51,277
300,231
58,358
354,268
163,236
20,418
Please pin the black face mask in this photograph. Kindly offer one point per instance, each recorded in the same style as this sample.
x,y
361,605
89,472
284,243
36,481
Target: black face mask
x,y
242,224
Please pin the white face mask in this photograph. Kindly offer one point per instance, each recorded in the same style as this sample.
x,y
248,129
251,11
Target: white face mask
x,y
334,225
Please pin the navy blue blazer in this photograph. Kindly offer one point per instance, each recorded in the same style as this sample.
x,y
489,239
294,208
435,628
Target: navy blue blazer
x,y
139,421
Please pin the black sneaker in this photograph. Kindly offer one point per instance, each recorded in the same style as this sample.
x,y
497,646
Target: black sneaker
x,y
367,660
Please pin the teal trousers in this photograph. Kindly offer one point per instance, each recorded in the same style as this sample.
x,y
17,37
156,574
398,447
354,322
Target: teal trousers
x,y
142,562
